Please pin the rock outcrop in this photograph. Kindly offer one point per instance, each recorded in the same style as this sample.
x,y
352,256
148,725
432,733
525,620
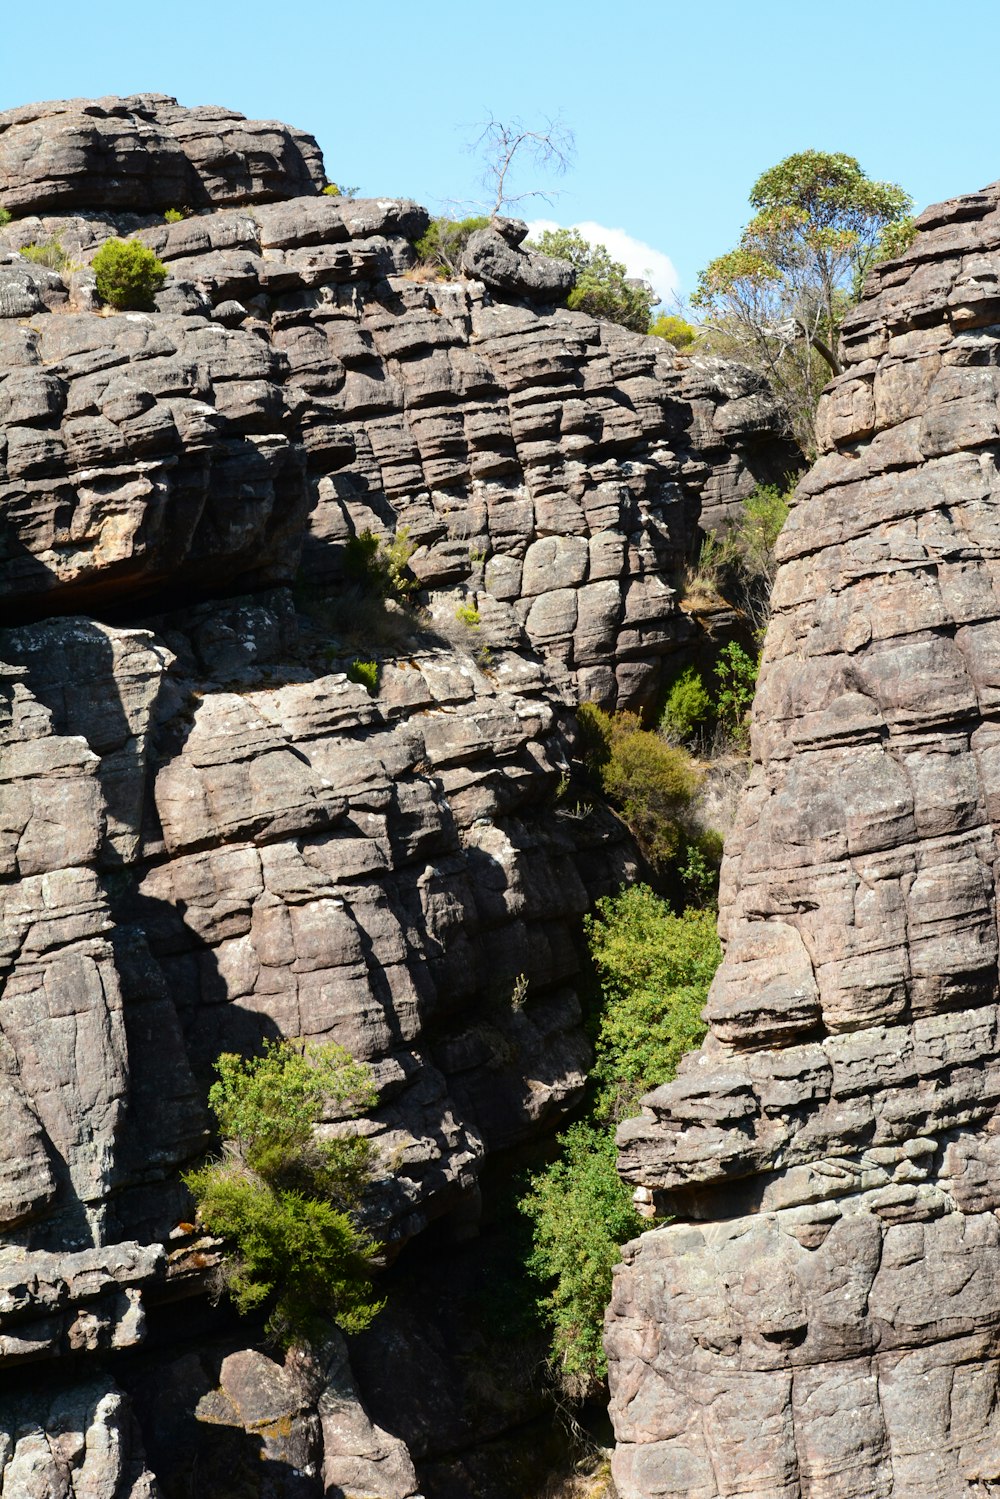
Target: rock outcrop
x,y
823,1317
210,833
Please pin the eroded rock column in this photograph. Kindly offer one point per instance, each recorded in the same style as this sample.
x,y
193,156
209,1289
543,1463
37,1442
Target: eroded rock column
x,y
823,1318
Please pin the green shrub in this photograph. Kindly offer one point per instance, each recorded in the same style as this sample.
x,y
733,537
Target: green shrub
x,y
603,286
442,243
382,564
366,673
468,614
655,969
736,674
49,253
128,275
687,708
331,190
675,330
741,564
595,737
284,1199
654,784
582,1214
5,217
698,868
173,216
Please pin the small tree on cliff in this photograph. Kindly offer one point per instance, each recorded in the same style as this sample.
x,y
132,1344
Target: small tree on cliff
x,y
603,286
778,300
506,144
284,1199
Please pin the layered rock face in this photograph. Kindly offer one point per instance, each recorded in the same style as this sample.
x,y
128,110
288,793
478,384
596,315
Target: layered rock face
x,y
824,1319
210,834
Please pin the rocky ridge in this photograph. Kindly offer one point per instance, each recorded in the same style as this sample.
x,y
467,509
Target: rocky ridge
x,y
209,834
823,1318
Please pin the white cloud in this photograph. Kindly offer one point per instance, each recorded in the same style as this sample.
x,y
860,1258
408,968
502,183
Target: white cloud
x,y
638,258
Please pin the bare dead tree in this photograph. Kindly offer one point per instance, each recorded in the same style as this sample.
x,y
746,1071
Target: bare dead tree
x,y
502,143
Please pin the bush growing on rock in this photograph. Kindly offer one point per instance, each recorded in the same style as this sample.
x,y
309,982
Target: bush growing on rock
x,y
741,564
49,253
674,330
652,783
603,287
128,275
285,1200
382,563
442,243
687,708
365,673
736,674
582,1213
654,968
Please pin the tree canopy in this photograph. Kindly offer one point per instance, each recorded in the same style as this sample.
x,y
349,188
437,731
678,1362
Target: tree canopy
x,y
779,298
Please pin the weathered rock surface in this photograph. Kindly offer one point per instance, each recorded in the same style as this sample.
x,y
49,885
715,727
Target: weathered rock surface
x,y
550,467
146,152
826,1321
210,834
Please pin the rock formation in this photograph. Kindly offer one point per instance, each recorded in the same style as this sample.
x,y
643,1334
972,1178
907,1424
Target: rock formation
x,y
822,1318
210,833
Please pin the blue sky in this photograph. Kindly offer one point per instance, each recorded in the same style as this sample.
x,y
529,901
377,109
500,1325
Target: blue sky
x,y
676,107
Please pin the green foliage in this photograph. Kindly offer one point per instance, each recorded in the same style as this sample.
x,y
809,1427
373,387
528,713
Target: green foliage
x,y
6,217
48,253
441,245
334,190
295,1249
699,872
736,674
687,708
582,1214
128,275
603,287
595,737
756,533
652,783
896,239
468,614
173,216
382,564
655,969
779,298
285,1199
366,673
741,564
676,330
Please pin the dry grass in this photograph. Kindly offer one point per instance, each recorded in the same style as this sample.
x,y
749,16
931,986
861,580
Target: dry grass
x,y
596,1484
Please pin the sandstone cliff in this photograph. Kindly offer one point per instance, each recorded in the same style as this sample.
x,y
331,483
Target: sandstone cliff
x,y
823,1319
210,834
